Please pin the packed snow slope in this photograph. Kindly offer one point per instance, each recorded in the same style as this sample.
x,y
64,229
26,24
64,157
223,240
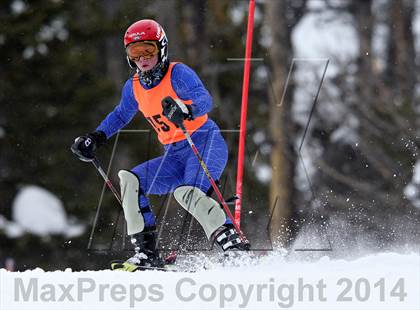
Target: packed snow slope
x,y
382,281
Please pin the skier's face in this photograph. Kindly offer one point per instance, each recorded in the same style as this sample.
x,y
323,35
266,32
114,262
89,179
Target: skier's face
x,y
146,64
144,54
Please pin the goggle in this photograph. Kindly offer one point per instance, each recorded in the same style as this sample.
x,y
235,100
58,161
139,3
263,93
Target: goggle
x,y
145,49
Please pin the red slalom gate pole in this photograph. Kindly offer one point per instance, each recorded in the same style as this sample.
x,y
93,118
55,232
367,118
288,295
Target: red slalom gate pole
x,y
244,108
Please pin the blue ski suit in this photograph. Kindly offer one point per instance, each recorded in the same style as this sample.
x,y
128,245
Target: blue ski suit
x,y
178,165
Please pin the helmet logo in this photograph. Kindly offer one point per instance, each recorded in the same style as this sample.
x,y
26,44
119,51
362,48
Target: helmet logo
x,y
137,36
164,48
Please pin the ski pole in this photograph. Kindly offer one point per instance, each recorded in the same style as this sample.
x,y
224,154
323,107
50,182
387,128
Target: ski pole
x,y
213,183
108,182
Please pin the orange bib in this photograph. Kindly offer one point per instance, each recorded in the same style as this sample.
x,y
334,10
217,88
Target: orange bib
x,y
149,103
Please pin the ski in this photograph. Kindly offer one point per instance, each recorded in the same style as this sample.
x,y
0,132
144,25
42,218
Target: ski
x,y
128,267
169,263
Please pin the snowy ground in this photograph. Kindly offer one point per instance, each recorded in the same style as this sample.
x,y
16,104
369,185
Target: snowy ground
x,y
383,281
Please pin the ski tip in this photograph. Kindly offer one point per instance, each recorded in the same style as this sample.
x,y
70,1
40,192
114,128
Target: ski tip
x,y
171,258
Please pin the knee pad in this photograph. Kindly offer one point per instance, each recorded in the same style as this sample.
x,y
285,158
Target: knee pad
x,y
130,190
204,209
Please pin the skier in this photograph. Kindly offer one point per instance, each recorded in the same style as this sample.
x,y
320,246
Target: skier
x,y
177,170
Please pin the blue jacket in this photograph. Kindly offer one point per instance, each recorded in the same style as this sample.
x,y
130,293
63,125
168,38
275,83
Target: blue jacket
x,y
187,86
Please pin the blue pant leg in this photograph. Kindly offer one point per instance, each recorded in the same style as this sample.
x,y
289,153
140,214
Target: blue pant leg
x,y
158,176
214,151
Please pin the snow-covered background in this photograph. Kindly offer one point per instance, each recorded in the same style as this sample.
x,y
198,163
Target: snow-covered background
x,y
37,211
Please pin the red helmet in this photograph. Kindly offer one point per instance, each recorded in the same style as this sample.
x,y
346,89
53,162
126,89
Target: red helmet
x,y
148,30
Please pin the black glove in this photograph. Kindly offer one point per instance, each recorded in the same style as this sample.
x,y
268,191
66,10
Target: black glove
x,y
84,147
176,111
